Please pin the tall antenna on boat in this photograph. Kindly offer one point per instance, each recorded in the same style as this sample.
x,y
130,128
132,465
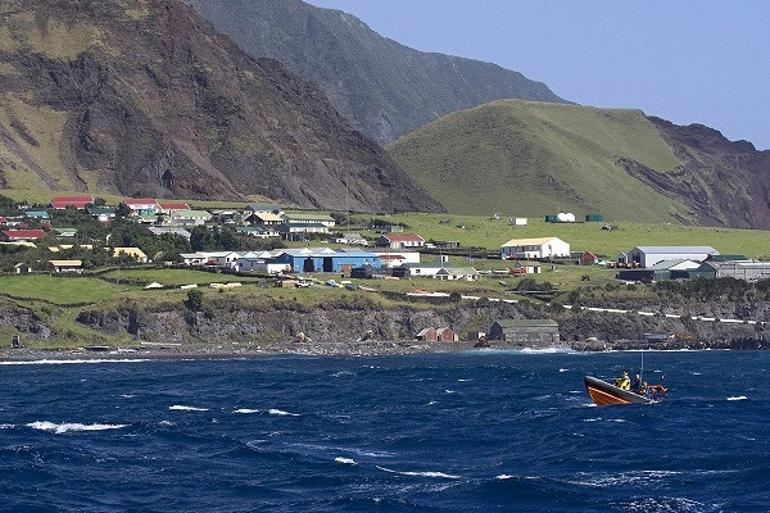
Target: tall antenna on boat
x,y
641,371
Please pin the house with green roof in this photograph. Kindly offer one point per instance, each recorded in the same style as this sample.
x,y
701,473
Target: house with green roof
x,y
65,232
37,214
296,218
189,217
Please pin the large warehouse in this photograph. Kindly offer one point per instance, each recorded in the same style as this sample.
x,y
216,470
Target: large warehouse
x,y
647,256
326,260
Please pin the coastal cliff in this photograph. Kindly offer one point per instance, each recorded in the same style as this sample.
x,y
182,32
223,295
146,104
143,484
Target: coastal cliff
x,y
339,324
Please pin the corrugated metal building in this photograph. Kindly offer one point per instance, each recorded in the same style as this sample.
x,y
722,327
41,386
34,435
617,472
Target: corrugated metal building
x,y
328,262
741,270
647,256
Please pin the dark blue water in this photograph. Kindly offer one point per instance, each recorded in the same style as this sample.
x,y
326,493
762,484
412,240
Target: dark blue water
x,y
448,433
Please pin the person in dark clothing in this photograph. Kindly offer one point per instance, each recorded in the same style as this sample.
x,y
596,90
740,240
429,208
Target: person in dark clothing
x,y
639,387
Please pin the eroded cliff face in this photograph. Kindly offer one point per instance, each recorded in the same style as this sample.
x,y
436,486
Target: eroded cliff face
x,y
724,182
340,323
144,98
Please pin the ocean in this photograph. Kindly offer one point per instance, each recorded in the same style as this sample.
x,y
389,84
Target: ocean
x,y
429,433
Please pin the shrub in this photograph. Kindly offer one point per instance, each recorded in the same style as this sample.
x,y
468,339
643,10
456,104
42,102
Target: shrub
x,y
194,301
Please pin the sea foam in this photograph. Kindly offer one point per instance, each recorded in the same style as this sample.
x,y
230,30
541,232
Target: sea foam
x,y
74,361
737,398
345,461
245,411
439,475
275,411
72,426
181,407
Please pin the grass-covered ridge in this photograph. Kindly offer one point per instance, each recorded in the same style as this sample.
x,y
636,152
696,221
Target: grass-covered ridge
x,y
483,232
525,158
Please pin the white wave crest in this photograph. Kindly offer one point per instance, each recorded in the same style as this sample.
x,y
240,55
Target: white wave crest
x,y
439,475
7,426
165,423
282,413
504,477
562,369
72,426
182,407
737,398
345,461
74,361
245,411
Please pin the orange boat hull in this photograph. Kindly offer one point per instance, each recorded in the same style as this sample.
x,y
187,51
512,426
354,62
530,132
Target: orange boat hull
x,y
605,394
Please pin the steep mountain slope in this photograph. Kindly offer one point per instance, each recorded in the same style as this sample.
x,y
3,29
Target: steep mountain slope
x,y
385,89
143,97
532,158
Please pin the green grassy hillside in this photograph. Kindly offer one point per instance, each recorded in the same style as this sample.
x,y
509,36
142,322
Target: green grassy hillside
x,y
529,158
483,232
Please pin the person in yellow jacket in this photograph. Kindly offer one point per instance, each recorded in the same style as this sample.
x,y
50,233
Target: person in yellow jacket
x,y
623,382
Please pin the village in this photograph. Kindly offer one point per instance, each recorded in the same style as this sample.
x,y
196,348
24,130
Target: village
x,y
298,249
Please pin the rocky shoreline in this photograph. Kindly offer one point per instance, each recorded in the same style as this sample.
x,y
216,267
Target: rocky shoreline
x,y
350,348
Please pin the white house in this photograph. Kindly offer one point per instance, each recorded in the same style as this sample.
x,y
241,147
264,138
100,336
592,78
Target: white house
x,y
400,240
542,247
214,258
297,218
647,256
392,259
259,265
139,205
260,232
188,217
428,270
457,273
352,238
67,266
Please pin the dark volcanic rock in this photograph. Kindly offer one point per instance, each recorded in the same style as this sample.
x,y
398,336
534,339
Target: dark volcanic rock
x,y
159,104
724,182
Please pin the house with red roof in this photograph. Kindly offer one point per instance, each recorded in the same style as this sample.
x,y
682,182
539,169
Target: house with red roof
x,y
400,241
19,235
169,207
79,202
142,205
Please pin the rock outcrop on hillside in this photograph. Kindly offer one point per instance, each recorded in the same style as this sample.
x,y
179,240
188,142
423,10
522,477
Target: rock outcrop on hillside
x,y
725,182
146,98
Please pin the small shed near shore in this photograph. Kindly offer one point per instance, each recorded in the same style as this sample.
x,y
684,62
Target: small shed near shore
x,y
538,332
431,334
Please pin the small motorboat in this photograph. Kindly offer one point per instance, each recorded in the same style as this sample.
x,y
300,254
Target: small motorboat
x,y
606,394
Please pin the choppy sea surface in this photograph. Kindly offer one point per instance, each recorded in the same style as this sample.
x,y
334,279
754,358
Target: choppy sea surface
x,y
436,433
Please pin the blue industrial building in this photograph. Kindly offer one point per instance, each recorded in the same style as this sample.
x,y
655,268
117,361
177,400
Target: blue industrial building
x,y
329,261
